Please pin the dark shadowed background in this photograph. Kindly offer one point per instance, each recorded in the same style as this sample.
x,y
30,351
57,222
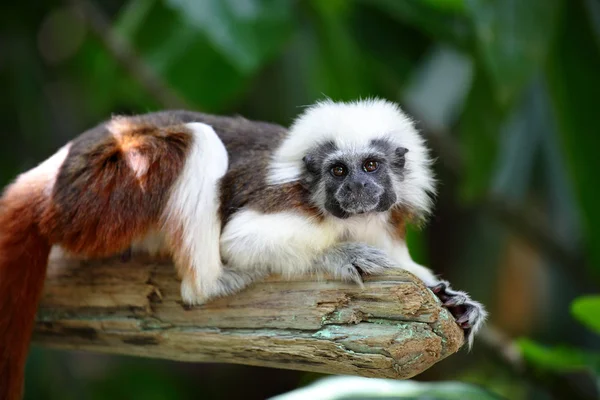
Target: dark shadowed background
x,y
507,92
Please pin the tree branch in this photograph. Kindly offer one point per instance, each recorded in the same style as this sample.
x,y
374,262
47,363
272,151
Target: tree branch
x,y
394,327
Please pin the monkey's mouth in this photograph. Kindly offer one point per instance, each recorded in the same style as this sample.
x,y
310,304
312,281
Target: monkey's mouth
x,y
355,207
358,205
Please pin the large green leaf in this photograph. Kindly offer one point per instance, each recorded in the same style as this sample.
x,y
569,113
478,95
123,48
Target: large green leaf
x,y
513,38
447,5
177,45
186,59
587,310
444,20
391,51
245,32
573,75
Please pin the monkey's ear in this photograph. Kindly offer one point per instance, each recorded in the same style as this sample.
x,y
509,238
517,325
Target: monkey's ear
x,y
311,164
401,151
400,159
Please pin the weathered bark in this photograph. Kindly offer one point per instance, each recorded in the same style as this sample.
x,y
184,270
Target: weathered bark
x,y
393,327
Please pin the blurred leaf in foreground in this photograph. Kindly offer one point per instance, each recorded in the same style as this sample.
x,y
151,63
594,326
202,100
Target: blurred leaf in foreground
x,y
587,311
355,388
557,358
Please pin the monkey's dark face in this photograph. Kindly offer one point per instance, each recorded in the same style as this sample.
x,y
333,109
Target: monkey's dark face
x,y
347,183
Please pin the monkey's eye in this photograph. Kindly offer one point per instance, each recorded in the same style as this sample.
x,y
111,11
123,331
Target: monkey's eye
x,y
339,170
370,166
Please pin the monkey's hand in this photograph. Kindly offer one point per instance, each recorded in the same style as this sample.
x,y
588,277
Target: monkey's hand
x,y
469,314
349,261
229,281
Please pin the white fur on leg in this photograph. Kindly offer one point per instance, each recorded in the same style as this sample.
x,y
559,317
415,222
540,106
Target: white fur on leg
x,y
400,254
192,215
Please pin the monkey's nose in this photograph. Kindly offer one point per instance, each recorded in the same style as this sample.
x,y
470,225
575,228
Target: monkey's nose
x,y
357,185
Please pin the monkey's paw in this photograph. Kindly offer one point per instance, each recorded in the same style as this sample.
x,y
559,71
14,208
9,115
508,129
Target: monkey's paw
x,y
192,292
470,315
350,261
196,291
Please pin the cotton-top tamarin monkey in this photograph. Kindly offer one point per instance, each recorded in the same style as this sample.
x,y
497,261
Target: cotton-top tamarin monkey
x,y
231,200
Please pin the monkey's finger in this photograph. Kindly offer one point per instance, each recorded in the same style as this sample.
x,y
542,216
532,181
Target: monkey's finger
x,y
439,288
463,318
466,325
455,301
368,267
350,273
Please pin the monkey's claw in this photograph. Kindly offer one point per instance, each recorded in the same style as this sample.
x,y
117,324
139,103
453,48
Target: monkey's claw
x,y
469,315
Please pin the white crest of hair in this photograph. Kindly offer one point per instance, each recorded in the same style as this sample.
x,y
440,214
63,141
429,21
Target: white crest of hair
x,y
193,208
352,127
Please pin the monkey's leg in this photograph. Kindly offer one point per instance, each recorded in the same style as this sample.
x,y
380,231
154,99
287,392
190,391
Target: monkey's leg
x,y
113,185
468,313
191,217
129,177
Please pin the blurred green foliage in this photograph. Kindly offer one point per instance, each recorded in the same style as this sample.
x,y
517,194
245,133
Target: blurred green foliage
x,y
586,309
506,91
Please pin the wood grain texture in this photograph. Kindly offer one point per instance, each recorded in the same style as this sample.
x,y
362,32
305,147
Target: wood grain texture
x,y
394,327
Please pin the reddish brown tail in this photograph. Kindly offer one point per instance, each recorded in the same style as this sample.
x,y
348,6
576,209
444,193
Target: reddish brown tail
x,y
23,259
